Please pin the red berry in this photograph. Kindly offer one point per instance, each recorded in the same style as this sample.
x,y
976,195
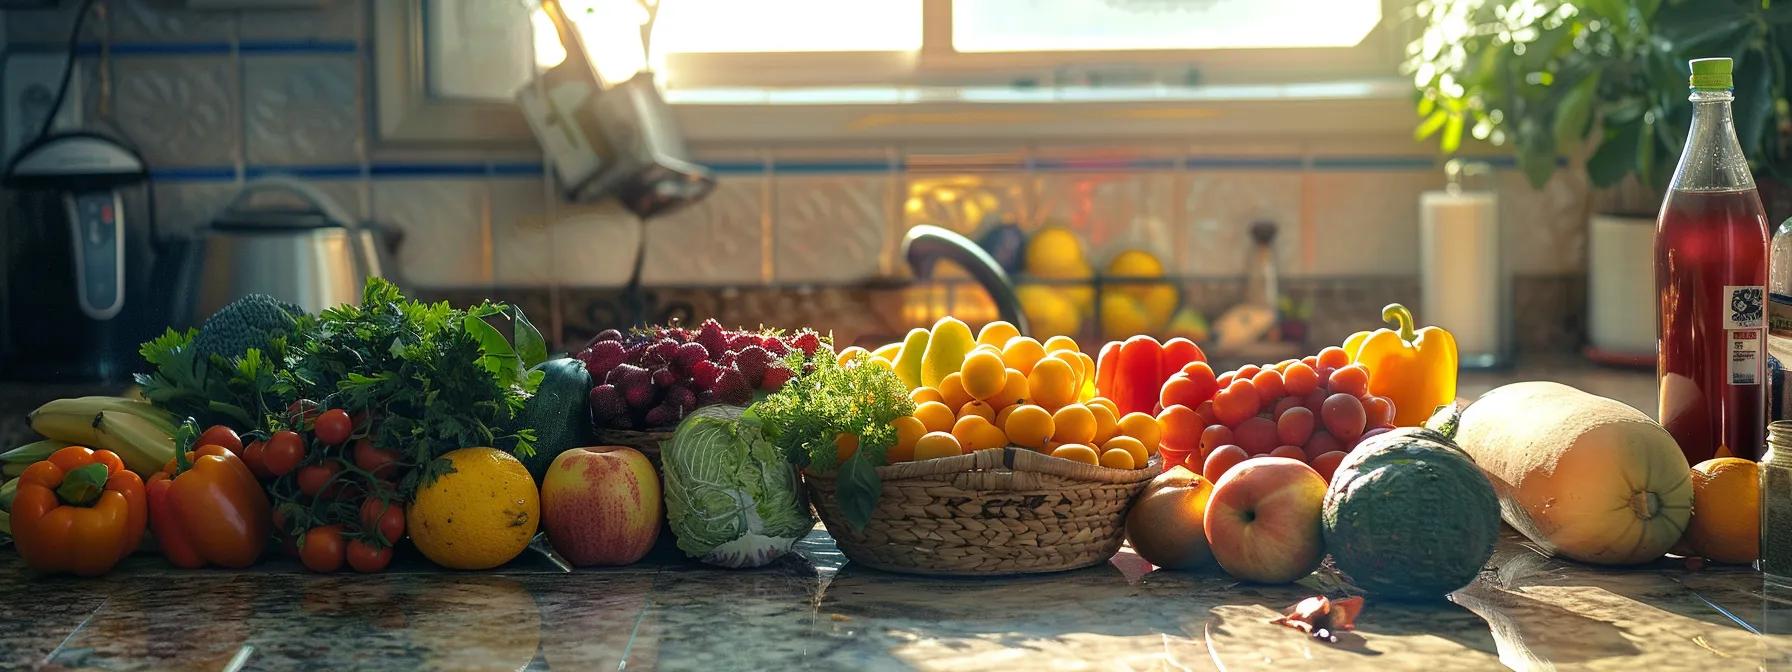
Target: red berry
x,y
732,388
663,415
681,398
703,374
775,378
808,341
773,345
752,363
688,355
627,375
740,341
603,356
664,378
607,403
607,335
640,397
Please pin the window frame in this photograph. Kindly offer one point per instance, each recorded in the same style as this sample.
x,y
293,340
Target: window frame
x,y
407,114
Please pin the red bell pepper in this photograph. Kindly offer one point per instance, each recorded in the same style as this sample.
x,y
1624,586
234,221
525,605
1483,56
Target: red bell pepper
x,y
1132,373
206,508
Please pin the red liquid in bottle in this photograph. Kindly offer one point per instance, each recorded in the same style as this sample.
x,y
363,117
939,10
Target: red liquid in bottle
x,y
1710,263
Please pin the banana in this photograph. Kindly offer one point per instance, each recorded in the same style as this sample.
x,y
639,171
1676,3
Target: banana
x,y
142,443
14,462
91,405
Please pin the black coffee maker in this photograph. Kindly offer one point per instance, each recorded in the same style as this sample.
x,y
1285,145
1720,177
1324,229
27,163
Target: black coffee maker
x,y
76,261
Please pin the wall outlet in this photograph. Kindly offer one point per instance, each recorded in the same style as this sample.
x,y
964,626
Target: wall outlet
x,y
30,82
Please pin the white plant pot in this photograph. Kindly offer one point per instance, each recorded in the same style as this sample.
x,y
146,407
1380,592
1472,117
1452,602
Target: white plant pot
x,y
1621,286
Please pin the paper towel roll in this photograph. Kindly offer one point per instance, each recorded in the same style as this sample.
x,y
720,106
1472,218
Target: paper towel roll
x,y
1459,271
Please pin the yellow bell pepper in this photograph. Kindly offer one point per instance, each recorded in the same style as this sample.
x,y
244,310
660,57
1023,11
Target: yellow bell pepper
x,y
1416,369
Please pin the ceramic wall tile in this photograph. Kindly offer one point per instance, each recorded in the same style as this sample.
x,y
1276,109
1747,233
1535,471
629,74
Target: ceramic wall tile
x,y
447,238
1219,209
43,26
1112,210
966,202
163,21
1361,222
521,250
833,228
182,208
1544,230
350,195
594,245
720,240
302,109
336,20
180,110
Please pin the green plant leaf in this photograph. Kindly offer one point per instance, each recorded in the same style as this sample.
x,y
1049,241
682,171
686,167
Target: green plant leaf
x,y
1754,101
529,344
859,487
1426,105
1575,111
497,356
1452,139
1616,155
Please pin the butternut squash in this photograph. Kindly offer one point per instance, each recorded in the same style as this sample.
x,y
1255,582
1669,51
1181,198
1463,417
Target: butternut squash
x,y
1582,476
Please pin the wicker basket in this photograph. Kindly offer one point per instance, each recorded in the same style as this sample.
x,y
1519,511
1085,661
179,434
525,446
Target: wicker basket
x,y
647,442
1009,511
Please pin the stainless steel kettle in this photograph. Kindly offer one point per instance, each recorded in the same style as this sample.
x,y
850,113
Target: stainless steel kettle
x,y
314,255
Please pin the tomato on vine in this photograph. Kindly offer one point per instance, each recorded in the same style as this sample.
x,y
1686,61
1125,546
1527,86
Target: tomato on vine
x,y
366,558
323,549
219,435
385,517
334,426
283,453
382,463
312,478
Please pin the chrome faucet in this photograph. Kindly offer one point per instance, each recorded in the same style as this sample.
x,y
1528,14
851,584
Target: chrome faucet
x,y
926,244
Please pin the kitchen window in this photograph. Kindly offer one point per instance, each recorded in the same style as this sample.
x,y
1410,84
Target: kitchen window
x,y
474,55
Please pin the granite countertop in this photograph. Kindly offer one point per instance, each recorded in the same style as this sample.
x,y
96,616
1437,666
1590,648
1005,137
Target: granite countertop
x,y
816,610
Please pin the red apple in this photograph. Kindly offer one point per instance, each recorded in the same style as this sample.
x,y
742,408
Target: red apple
x,y
1164,525
601,506
1263,520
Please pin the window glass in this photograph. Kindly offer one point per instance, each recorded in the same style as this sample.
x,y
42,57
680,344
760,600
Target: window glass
x,y
1089,25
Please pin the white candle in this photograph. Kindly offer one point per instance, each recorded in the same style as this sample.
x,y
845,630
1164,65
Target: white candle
x,y
1460,275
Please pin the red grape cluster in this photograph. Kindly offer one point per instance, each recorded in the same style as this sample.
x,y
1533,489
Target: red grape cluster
x,y
1313,410
653,378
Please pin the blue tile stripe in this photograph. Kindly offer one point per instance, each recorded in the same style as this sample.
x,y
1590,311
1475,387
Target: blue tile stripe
x,y
528,169
256,47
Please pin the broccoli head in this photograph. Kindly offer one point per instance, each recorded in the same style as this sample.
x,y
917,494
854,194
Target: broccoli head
x,y
249,322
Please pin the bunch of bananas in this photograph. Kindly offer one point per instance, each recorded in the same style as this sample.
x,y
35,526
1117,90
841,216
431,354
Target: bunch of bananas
x,y
140,433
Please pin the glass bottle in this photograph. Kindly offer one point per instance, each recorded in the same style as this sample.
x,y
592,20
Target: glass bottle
x,y
1711,284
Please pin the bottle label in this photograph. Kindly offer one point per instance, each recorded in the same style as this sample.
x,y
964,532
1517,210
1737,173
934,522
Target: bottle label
x,y
1779,315
1745,356
1747,307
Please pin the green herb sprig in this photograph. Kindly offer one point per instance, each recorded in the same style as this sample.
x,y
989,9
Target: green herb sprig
x,y
804,419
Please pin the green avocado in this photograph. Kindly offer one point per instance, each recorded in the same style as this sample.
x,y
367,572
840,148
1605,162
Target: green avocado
x,y
1409,516
557,413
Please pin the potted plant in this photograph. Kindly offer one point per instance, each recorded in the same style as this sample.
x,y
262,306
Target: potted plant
x,y
1599,86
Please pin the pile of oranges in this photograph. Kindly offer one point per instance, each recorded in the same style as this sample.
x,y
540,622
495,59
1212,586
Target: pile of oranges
x,y
1039,396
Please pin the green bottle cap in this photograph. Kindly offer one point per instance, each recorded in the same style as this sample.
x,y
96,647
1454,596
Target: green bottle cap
x,y
1711,73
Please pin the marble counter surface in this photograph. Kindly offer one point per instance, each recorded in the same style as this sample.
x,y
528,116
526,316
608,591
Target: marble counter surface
x,y
816,610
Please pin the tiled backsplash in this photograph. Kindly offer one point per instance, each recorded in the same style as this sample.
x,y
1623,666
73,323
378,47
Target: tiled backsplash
x,y
791,234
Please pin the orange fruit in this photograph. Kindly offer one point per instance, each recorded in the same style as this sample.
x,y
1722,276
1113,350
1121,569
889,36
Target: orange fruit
x,y
1143,427
921,394
983,374
1074,423
845,446
1022,352
977,408
908,432
975,432
1726,510
937,444
1105,423
1029,426
1104,401
1014,390
1077,452
1057,343
952,391
1088,391
1076,365
996,334
935,416
1003,415
1052,384
1116,458
1131,446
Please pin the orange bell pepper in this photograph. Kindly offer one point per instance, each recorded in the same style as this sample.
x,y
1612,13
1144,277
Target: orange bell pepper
x,y
80,511
1132,373
1414,368
206,508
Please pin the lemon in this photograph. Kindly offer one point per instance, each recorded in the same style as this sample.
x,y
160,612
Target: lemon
x,y
1122,316
479,516
1048,311
1053,248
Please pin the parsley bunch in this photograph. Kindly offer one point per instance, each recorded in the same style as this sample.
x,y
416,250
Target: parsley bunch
x,y
434,378
804,419
243,392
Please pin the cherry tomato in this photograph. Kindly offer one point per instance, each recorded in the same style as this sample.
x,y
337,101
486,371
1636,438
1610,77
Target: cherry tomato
x,y
302,412
284,451
312,478
334,426
255,458
383,463
388,518
289,543
365,558
322,550
219,435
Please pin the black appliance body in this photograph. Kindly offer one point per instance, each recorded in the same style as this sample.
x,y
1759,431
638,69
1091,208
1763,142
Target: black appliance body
x,y
77,293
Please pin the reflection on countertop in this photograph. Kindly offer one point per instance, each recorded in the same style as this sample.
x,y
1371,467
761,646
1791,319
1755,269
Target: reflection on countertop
x,y
816,610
